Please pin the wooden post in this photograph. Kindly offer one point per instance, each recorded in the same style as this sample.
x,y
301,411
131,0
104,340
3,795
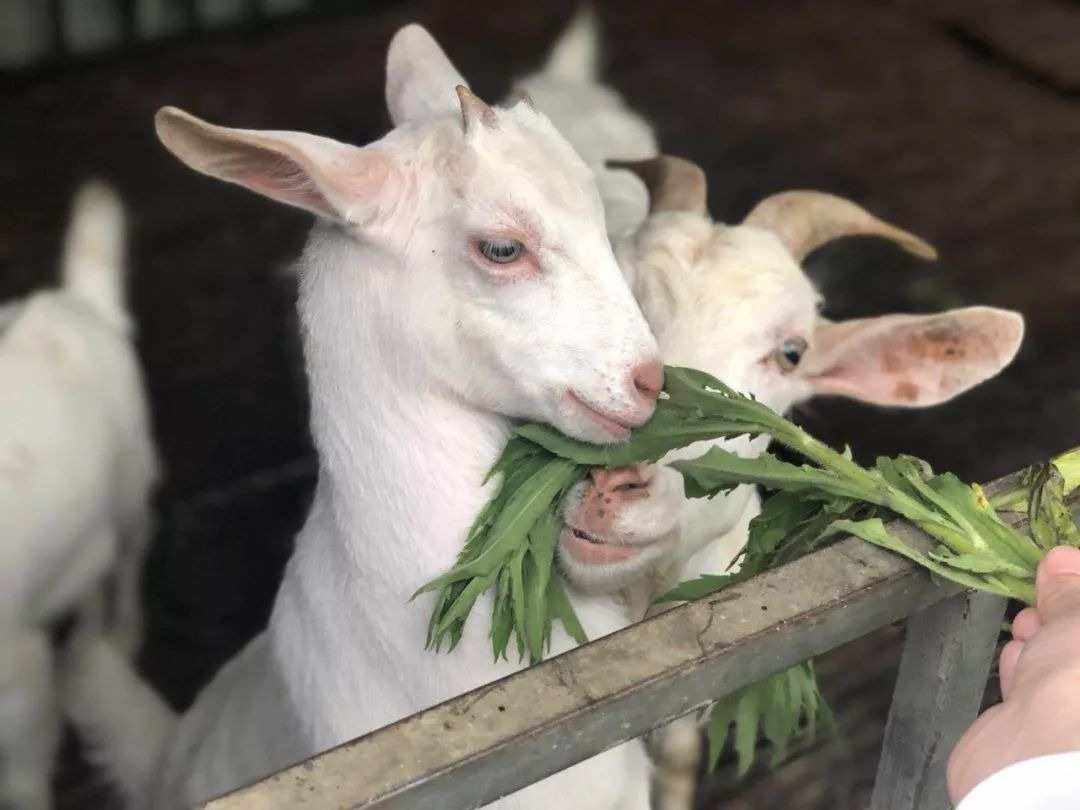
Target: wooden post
x,y
943,671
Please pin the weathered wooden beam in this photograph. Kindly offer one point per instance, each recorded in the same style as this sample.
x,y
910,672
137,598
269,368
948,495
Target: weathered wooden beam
x,y
947,656
497,739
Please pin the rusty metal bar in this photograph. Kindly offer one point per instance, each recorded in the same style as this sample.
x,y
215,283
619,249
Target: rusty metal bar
x,y
497,739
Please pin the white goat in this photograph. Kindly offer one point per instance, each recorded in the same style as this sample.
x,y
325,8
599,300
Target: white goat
x,y
459,277
734,301
77,464
731,300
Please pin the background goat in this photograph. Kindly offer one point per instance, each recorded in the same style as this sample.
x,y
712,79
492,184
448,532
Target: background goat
x,y
77,466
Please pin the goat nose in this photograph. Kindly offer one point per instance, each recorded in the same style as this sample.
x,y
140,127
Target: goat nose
x,y
649,379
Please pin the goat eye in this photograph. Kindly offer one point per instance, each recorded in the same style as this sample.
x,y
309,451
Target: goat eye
x,y
500,251
790,353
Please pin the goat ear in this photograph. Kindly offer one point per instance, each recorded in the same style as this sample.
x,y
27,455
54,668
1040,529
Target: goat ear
x,y
912,361
420,80
328,178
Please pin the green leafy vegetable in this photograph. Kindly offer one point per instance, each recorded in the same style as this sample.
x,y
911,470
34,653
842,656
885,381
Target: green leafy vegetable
x,y
976,547
510,547
1068,465
781,708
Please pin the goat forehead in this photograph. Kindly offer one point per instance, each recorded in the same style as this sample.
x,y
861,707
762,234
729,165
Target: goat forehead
x,y
526,156
729,283
724,263
747,263
520,168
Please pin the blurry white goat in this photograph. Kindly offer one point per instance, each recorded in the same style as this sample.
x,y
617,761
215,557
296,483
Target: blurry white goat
x,y
459,278
77,465
594,118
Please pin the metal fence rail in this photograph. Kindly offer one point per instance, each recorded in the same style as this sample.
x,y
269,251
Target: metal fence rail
x,y
504,736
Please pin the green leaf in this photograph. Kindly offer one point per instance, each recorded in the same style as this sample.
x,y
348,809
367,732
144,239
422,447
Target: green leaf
x,y
704,585
780,515
1068,464
783,707
459,609
1051,519
692,389
670,428
516,567
720,720
513,456
873,531
747,718
781,710
502,617
719,470
562,610
789,526
694,407
979,564
510,528
538,565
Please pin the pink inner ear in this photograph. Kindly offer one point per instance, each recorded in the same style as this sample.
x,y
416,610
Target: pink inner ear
x,y
283,180
911,360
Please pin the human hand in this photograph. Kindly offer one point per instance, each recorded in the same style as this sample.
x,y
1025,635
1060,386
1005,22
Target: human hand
x,y
1040,682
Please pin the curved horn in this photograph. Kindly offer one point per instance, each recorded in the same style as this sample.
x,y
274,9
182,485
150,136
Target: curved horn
x,y
474,112
674,184
806,220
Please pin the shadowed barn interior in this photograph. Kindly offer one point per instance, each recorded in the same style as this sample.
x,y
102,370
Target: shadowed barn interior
x,y
957,120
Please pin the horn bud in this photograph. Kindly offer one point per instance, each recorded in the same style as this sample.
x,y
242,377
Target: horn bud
x,y
474,112
674,184
806,220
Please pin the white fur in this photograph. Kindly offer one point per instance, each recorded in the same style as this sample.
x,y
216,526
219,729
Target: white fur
x,y
77,464
418,356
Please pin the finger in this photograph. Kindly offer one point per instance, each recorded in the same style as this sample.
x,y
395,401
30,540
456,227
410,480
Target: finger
x,y
1057,585
1026,624
1010,657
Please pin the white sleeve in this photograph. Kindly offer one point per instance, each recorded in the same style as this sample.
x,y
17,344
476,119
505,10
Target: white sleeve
x,y
1044,783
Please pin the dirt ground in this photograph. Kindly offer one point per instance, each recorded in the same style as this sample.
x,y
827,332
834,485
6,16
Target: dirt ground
x,y
957,120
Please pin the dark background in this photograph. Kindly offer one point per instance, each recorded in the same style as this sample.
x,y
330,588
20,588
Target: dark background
x,y
957,120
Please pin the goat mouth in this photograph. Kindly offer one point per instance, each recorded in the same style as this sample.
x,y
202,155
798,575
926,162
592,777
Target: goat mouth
x,y
611,424
589,549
